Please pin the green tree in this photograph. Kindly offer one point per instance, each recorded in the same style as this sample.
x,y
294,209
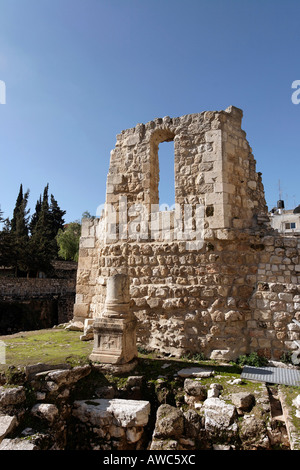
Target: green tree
x,y
35,215
68,241
42,248
8,249
56,216
18,238
19,222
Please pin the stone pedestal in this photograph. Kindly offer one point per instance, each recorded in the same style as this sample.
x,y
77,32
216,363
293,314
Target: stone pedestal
x,y
115,330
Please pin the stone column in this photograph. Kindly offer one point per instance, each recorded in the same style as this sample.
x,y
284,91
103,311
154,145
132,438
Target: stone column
x,y
115,330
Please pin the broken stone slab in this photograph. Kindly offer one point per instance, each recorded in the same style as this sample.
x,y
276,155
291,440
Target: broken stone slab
x,y
69,376
199,372
124,413
40,367
220,416
7,425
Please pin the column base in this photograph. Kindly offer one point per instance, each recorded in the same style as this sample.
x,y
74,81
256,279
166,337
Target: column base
x,y
114,340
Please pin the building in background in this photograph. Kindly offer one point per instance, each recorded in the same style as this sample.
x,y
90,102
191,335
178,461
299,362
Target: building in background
x,y
285,221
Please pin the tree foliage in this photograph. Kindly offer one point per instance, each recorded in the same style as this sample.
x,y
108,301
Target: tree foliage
x,y
68,241
29,244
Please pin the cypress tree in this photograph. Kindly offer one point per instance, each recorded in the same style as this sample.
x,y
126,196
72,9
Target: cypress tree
x,y
35,216
19,233
56,215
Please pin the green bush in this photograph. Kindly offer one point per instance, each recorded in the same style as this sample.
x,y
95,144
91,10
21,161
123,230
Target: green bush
x,y
252,359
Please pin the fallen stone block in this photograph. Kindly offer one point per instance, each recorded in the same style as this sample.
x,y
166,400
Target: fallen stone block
x,y
7,425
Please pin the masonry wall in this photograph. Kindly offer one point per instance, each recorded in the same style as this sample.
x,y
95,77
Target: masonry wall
x,y
233,292
30,304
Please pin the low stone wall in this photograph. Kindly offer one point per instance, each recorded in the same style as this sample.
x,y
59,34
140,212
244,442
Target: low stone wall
x,y
23,289
30,304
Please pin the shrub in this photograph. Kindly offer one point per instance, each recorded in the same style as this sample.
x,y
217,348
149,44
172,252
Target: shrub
x,y
252,359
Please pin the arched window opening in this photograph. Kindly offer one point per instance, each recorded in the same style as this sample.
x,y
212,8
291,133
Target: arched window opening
x,y
166,187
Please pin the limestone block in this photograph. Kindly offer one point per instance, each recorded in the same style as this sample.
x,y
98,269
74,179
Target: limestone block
x,y
132,140
81,311
243,400
220,416
169,423
12,396
46,411
195,388
123,413
87,242
7,425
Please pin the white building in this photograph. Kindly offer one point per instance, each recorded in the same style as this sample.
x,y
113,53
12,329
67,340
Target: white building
x,y
286,221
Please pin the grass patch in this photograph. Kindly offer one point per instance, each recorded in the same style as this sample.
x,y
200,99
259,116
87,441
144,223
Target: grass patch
x,y
53,346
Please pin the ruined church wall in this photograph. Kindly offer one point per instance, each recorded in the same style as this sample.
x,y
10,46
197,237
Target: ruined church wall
x,y
238,291
229,298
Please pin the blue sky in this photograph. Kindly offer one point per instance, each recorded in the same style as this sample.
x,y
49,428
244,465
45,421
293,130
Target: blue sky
x,y
78,72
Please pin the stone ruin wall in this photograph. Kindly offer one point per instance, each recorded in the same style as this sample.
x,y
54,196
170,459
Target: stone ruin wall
x,y
235,293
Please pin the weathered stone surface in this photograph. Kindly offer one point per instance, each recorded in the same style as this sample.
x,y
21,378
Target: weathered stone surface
x,y
62,377
12,396
169,423
214,390
243,400
46,411
7,425
125,413
193,424
229,290
195,388
18,444
253,433
114,424
220,417
296,403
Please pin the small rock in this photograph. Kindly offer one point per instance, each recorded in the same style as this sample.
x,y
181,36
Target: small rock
x,y
134,381
195,388
243,400
75,326
214,390
45,411
235,382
